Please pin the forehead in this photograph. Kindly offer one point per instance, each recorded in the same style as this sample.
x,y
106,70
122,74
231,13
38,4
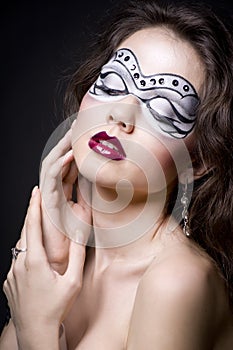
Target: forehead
x,y
159,50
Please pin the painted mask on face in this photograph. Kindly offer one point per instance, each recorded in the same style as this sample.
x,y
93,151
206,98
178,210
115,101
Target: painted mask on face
x,y
171,100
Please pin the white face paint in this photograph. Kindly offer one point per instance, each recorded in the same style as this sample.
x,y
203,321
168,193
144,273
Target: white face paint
x,y
170,98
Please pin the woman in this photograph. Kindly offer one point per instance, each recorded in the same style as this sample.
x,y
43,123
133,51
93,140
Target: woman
x,y
154,127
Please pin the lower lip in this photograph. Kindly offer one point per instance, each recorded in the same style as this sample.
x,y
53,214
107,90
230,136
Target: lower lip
x,y
105,151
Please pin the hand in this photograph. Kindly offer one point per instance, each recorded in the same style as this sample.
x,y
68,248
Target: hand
x,y
37,295
62,218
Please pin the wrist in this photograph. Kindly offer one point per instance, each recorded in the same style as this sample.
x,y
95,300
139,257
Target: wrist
x,y
38,337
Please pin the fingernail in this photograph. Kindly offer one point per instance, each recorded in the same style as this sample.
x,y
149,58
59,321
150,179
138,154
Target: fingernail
x,y
72,125
34,191
67,155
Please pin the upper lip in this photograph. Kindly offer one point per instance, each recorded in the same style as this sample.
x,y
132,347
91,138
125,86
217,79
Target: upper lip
x,y
112,142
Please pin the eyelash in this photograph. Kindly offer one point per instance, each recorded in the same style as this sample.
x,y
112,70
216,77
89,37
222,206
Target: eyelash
x,y
111,92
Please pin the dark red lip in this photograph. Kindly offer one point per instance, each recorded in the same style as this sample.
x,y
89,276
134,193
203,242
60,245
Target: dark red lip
x,y
111,149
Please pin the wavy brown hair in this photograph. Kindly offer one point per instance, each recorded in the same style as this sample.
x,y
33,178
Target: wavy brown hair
x,y
211,211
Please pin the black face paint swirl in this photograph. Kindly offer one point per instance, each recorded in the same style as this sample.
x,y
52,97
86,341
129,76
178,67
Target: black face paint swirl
x,y
170,98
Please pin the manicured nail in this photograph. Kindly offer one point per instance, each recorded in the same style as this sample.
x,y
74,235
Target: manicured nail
x,y
34,191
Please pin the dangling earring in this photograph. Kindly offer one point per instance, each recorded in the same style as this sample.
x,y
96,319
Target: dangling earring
x,y
184,201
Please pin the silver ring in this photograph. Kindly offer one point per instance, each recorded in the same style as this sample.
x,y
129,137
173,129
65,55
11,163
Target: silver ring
x,y
15,252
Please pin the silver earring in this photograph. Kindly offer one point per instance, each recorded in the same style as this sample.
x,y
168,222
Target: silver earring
x,y
184,201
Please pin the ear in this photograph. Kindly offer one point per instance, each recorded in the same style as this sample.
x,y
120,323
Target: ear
x,y
186,176
191,174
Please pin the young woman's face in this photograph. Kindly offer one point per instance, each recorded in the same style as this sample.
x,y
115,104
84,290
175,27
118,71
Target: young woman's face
x,y
136,121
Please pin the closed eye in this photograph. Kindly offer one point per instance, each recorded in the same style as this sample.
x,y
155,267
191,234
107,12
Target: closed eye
x,y
109,91
109,83
172,118
112,83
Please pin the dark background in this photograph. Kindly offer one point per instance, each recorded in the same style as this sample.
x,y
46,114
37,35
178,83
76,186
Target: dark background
x,y
39,43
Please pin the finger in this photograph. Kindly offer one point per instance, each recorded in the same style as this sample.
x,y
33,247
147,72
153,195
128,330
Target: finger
x,y
84,193
9,284
66,163
69,180
73,123
52,164
61,148
74,272
33,229
22,243
11,266
70,171
7,291
69,174
68,157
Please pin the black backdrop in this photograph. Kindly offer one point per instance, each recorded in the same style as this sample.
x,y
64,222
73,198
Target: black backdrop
x,y
39,41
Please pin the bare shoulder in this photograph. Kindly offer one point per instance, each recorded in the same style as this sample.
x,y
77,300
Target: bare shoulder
x,y
182,271
184,278
179,295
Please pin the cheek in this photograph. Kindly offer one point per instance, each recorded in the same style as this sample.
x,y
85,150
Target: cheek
x,y
85,102
161,167
79,146
150,165
90,118
89,101
168,166
170,156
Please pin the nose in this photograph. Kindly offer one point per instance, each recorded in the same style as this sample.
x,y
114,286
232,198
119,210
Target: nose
x,y
123,113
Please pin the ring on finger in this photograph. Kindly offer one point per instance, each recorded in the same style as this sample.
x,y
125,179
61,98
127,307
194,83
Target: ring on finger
x,y
15,252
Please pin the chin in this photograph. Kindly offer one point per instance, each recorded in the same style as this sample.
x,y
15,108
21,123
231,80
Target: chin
x,y
122,175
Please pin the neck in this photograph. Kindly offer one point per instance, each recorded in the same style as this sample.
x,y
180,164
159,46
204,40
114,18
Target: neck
x,y
125,225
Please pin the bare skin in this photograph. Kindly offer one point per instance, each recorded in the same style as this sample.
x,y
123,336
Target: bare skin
x,y
125,306
117,306
159,291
